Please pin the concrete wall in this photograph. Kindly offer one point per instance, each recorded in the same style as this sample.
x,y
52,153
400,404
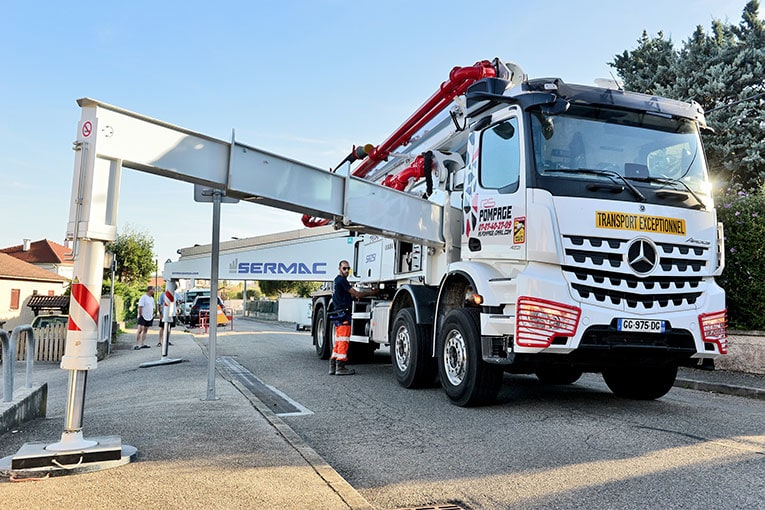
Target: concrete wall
x,y
746,352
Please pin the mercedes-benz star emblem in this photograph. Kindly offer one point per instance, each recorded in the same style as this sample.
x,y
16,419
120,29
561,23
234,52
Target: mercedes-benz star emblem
x,y
641,256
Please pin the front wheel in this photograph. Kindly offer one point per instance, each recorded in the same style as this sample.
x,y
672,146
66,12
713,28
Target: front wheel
x,y
322,334
409,351
641,383
466,378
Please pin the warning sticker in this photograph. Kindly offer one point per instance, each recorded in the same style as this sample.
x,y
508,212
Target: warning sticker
x,y
640,222
519,230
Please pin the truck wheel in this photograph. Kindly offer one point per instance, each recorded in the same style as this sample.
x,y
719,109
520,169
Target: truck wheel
x,y
409,351
467,380
322,334
557,374
640,383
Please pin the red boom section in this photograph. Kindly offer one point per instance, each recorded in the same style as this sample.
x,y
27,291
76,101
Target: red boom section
x,y
460,78
414,171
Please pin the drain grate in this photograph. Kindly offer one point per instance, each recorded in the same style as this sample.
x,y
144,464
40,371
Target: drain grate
x,y
277,401
433,507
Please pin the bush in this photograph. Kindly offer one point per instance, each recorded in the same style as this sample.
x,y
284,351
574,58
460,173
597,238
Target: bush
x,y
130,294
743,218
251,294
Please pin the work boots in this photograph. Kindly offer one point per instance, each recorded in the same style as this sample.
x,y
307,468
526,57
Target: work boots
x,y
332,366
342,370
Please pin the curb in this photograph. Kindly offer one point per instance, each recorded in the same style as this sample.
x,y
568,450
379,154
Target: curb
x,y
728,389
32,404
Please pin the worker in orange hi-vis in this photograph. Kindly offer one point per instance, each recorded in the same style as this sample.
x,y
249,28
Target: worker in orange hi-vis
x,y
342,297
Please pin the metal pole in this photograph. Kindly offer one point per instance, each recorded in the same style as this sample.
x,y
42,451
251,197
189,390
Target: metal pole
x,y
9,358
156,283
75,402
244,295
111,306
213,296
30,335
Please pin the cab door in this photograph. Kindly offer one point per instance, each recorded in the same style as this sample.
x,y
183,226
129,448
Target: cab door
x,y
494,200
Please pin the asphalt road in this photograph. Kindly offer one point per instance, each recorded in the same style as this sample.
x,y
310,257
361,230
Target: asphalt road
x,y
573,446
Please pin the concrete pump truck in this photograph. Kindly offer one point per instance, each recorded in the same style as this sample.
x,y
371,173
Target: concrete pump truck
x,y
574,231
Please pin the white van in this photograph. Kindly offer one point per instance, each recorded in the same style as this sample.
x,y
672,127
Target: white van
x,y
188,299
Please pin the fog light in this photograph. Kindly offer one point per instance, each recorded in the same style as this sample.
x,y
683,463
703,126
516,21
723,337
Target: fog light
x,y
714,329
538,321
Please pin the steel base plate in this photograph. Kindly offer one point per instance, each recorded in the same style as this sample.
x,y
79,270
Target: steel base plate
x,y
34,461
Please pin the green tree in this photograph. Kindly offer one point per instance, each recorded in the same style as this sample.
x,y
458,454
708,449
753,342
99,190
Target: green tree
x,y
648,66
251,294
135,256
723,71
275,288
305,289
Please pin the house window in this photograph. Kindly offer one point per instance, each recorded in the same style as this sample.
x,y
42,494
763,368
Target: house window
x,y
51,292
15,295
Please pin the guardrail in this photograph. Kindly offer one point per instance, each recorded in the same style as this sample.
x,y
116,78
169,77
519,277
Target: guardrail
x,y
9,357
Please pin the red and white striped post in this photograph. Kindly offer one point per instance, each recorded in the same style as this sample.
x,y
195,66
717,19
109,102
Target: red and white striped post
x,y
81,340
168,313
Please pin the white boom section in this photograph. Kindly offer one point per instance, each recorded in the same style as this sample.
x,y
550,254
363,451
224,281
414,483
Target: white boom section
x,y
300,255
142,143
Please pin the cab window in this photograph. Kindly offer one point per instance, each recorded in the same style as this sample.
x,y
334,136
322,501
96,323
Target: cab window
x,y
500,166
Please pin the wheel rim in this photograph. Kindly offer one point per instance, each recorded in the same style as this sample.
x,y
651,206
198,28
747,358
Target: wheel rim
x,y
455,357
403,348
320,332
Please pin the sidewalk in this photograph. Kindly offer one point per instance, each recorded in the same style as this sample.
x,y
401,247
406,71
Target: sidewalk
x,y
722,381
192,453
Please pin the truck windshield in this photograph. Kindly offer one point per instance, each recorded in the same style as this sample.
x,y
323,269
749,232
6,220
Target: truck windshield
x,y
647,150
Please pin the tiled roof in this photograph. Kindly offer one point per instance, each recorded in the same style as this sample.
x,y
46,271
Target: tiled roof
x,y
12,268
37,303
41,252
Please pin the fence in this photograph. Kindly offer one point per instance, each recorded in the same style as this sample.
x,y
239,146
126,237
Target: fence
x,y
49,343
263,309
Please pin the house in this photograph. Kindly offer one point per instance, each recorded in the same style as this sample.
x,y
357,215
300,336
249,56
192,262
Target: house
x,y
19,281
45,254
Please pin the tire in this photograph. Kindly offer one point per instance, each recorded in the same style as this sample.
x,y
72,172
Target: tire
x,y
558,374
322,334
467,380
641,383
410,351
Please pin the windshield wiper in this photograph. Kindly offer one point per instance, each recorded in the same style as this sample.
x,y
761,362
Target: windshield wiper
x,y
615,176
669,180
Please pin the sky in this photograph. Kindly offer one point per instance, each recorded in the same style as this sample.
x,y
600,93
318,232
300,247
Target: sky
x,y
303,79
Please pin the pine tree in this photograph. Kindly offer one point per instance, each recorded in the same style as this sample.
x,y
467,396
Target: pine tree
x,y
725,73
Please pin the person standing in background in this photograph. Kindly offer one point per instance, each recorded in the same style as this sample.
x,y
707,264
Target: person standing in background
x,y
145,318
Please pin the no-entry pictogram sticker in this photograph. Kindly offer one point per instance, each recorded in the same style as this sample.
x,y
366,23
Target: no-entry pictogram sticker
x,y
87,128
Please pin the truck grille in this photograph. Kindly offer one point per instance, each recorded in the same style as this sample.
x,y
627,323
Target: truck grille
x,y
598,270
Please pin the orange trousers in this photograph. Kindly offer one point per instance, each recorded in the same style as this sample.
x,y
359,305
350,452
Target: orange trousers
x,y
342,342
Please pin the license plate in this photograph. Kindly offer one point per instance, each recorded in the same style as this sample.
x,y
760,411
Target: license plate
x,y
640,325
